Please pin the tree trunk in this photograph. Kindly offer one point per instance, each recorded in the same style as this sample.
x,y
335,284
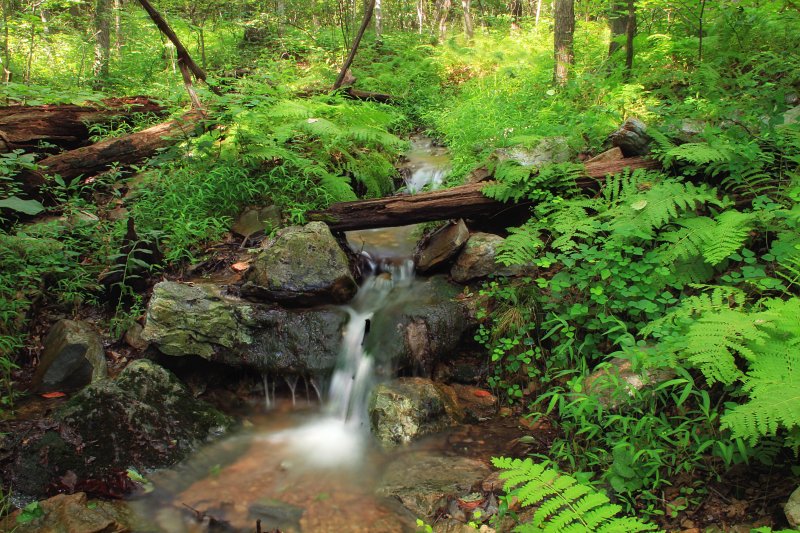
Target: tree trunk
x,y
516,14
281,12
102,41
378,20
468,30
99,157
538,12
441,18
66,126
369,7
618,24
630,33
5,6
562,40
421,15
118,25
183,54
458,202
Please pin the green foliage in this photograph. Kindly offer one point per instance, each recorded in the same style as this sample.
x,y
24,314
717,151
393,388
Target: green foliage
x,y
563,503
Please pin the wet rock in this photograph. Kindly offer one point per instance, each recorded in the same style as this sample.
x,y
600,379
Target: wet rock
x,y
613,154
255,219
276,515
302,265
407,408
477,259
632,138
792,509
133,336
184,319
548,150
74,513
145,418
424,482
420,326
477,404
197,319
73,357
616,381
441,246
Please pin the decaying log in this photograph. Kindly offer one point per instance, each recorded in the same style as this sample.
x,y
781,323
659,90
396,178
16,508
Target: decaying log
x,y
65,125
96,158
466,201
352,93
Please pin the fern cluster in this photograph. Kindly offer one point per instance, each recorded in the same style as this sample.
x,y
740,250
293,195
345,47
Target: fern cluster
x,y
563,503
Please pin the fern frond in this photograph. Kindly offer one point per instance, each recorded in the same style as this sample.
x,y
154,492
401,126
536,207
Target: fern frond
x,y
714,299
521,246
698,153
564,503
713,239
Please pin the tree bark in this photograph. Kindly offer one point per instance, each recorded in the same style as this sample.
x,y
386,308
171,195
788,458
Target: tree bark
x,y
369,7
516,14
468,29
6,7
421,15
562,40
441,18
183,54
630,33
458,202
378,20
618,24
102,41
99,157
66,126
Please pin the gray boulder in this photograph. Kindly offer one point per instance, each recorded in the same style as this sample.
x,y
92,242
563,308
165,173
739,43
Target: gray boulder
x,y
548,150
441,246
73,357
145,418
407,408
792,509
197,319
420,327
302,265
632,138
425,481
477,259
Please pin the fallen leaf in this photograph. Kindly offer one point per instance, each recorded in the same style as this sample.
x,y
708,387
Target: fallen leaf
x,y
50,395
482,393
240,267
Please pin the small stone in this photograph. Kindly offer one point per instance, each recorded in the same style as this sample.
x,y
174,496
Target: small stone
x,y
73,357
477,259
792,508
256,219
493,483
614,154
133,336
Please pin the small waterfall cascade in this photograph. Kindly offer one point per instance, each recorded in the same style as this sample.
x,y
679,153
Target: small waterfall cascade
x,y
428,165
354,376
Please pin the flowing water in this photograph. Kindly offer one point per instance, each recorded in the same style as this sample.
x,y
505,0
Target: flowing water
x,y
298,466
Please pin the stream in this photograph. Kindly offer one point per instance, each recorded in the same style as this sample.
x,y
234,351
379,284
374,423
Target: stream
x,y
300,466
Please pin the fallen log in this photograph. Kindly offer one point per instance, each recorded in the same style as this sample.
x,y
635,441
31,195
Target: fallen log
x,y
65,125
465,201
351,93
96,158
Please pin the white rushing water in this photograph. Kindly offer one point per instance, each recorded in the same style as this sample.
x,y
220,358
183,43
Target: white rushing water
x,y
428,166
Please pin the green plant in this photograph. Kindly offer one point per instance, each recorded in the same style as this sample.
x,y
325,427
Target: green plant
x,y
563,503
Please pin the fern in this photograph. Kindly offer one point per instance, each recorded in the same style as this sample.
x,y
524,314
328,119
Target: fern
x,y
640,214
521,245
564,504
713,239
714,299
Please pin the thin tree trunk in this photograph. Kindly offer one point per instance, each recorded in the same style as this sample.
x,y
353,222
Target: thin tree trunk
x,y
118,25
420,16
700,31
183,54
441,18
468,30
281,17
26,77
102,35
516,14
378,20
4,5
563,40
618,24
630,33
369,7
538,12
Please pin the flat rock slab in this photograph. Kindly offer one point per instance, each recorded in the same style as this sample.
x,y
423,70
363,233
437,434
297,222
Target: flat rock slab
x,y
441,246
74,513
424,481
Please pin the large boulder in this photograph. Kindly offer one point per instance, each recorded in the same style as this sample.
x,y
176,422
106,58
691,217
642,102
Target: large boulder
x,y
420,327
407,408
547,151
477,259
632,138
425,481
73,357
302,265
145,418
792,509
198,319
441,245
